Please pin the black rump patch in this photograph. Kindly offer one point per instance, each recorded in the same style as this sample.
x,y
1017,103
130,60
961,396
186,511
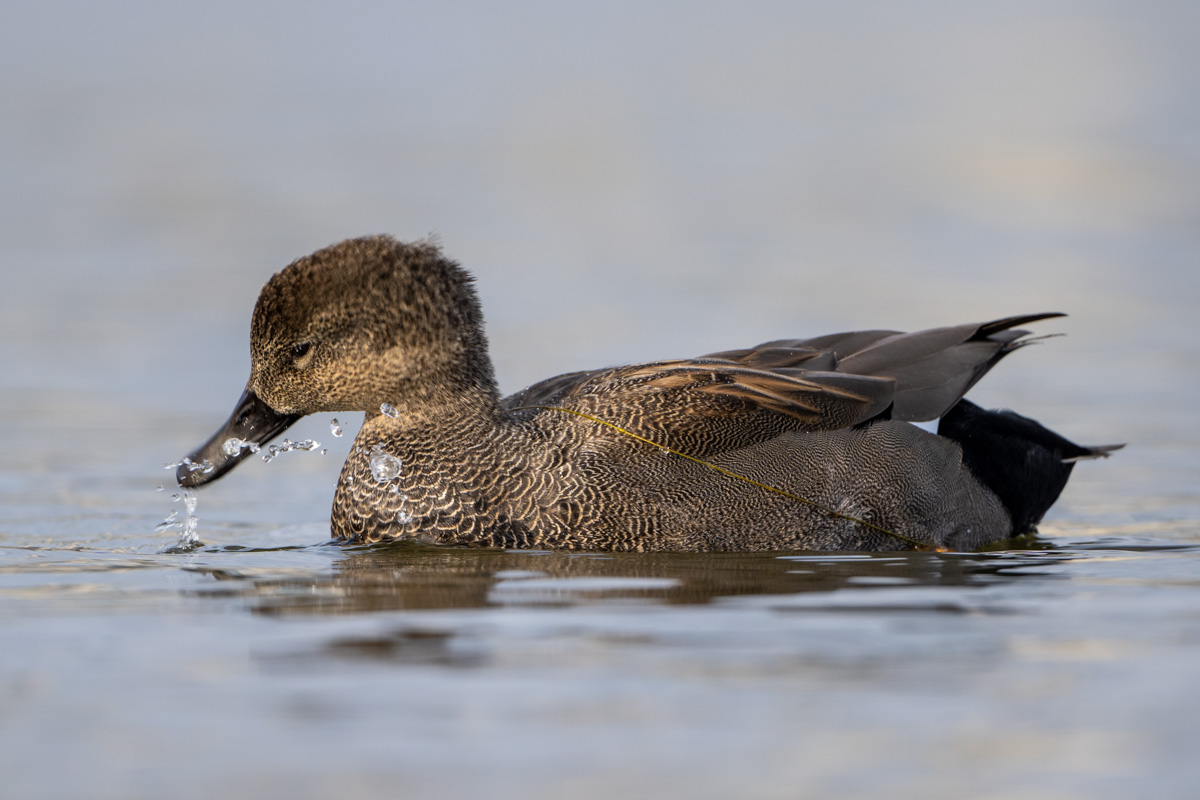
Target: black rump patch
x,y
1024,463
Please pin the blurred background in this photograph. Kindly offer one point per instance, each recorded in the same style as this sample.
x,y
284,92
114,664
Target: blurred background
x,y
627,180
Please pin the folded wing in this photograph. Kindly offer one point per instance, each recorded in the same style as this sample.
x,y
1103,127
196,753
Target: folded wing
x,y
738,397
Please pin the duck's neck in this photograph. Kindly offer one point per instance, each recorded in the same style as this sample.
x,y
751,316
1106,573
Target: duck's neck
x,y
443,386
413,410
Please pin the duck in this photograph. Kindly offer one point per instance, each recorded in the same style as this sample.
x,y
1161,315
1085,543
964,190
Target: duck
x,y
793,444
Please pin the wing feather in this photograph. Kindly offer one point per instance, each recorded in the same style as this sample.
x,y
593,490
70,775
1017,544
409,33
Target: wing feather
x,y
824,383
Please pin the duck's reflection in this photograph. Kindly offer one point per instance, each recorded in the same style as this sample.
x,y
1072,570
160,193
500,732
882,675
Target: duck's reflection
x,y
401,577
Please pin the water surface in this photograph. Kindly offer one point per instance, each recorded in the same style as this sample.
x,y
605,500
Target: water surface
x,y
628,183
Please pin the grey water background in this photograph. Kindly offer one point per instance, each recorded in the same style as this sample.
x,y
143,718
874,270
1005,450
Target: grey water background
x,y
628,181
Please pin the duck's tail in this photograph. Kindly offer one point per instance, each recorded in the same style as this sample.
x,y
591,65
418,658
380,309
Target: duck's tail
x,y
1024,463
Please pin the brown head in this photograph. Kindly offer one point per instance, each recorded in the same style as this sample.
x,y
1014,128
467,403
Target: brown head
x,y
365,322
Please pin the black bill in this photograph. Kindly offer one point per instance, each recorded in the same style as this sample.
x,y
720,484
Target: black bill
x,y
252,422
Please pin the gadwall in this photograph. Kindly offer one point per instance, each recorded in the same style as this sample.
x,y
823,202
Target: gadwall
x,y
793,444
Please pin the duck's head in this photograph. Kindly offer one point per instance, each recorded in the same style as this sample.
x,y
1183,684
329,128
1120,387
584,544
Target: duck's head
x,y
364,322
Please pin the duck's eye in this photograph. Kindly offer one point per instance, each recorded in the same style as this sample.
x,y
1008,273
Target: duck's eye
x,y
300,350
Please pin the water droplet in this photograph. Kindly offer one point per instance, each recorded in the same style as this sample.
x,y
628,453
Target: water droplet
x,y
349,479
389,410
233,446
335,427
287,445
324,450
394,489
384,466
160,488
206,466
403,517
167,523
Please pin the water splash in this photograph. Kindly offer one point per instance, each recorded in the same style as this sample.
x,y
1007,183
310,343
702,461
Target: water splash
x,y
335,427
384,466
233,446
167,523
389,410
204,466
287,445
189,539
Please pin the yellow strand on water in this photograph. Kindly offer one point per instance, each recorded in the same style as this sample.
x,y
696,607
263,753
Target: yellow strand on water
x,y
766,487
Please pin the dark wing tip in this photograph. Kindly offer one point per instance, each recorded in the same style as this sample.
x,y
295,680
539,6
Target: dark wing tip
x,y
999,325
